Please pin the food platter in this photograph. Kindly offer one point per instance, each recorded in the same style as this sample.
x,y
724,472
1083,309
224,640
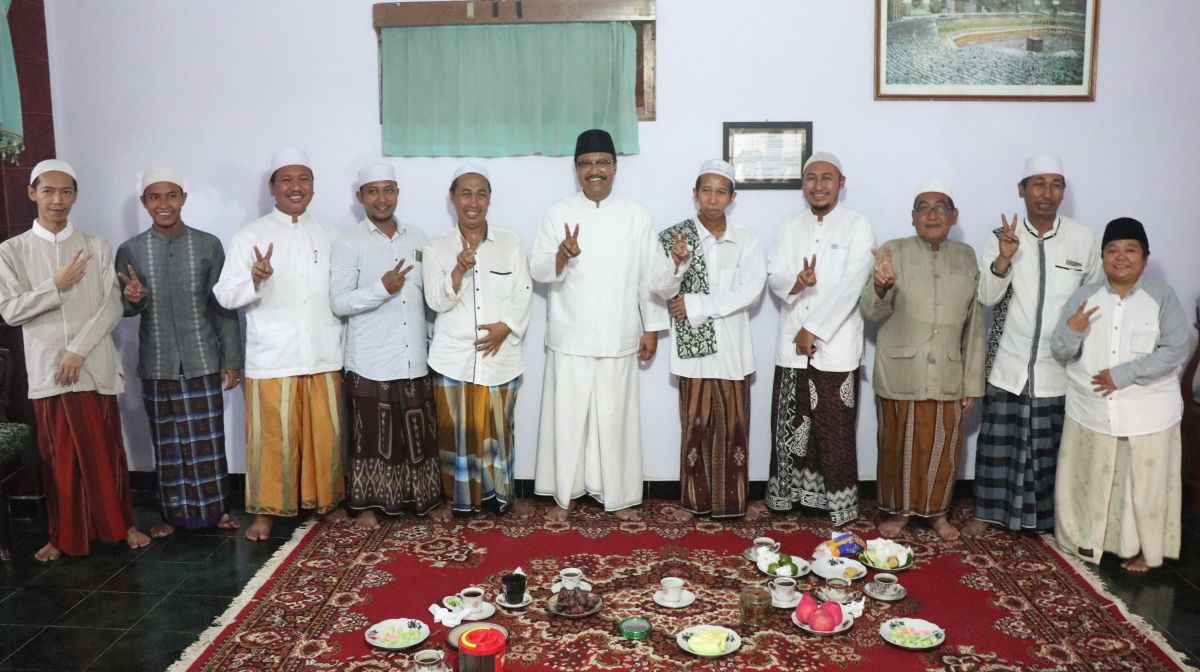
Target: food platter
x,y
732,641
868,559
846,624
839,568
912,633
802,568
552,607
397,633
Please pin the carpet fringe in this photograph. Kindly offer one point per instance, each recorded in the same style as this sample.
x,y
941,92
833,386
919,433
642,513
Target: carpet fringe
x,y
193,652
1144,627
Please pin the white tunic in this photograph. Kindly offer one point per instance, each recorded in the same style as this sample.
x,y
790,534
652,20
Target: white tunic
x,y
290,328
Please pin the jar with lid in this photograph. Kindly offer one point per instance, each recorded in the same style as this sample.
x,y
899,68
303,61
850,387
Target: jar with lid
x,y
481,650
755,603
429,660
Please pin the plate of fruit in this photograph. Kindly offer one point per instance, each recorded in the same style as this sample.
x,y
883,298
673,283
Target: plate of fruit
x,y
828,618
397,633
839,568
886,555
574,603
782,564
708,641
912,633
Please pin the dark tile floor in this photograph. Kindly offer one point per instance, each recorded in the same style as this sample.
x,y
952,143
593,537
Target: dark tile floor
x,y
138,610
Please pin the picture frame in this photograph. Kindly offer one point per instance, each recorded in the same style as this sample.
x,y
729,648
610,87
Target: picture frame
x,y
1019,50
767,154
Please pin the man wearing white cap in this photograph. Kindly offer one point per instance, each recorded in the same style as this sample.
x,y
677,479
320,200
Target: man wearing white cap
x,y
189,353
57,283
820,261
928,361
376,285
1028,270
277,271
477,280
711,351
597,253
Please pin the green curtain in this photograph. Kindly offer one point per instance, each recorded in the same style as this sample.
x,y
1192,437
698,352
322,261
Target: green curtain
x,y
12,130
507,90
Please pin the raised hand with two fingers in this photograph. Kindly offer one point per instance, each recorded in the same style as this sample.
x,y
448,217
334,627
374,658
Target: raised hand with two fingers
x,y
134,291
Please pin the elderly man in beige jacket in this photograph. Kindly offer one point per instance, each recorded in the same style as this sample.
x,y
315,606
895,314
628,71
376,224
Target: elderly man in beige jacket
x,y
929,358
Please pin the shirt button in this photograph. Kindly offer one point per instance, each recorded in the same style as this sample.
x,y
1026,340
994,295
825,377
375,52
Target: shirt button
x,y
932,360
935,331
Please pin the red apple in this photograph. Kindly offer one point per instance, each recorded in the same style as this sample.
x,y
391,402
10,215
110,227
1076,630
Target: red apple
x,y
804,610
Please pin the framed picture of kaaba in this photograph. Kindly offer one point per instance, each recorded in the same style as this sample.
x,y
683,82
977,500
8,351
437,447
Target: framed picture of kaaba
x,y
986,49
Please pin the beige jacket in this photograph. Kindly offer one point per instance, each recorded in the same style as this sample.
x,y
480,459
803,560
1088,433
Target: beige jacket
x,y
930,344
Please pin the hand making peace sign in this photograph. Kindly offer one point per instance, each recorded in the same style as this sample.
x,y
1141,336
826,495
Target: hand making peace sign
x,y
1009,242
73,271
261,269
807,277
1081,318
135,291
679,251
393,280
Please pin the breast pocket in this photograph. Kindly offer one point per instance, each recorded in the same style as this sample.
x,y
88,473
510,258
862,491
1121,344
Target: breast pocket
x,y
1069,265
499,283
1143,338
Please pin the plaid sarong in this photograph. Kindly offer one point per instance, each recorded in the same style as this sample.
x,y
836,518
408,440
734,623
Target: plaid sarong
x,y
187,426
1015,459
475,441
691,341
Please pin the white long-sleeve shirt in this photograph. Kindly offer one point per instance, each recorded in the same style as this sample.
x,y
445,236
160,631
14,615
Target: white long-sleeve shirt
x,y
290,328
1143,342
621,275
497,289
1042,275
385,333
842,242
737,271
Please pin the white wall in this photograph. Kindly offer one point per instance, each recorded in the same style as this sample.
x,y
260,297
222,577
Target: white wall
x,y
214,88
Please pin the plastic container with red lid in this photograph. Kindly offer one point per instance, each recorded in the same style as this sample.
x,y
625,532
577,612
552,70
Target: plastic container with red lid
x,y
481,650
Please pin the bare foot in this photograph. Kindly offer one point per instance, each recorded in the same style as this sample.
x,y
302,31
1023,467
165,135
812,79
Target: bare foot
x,y
47,553
163,529
557,514
893,526
975,527
626,514
367,520
755,511
944,528
227,523
335,517
443,513
681,514
1136,565
260,529
522,508
135,538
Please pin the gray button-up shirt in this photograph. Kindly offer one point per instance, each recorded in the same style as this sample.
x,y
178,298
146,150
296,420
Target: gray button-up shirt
x,y
183,328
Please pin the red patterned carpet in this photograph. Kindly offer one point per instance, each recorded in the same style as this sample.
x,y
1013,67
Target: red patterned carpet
x,y
1007,602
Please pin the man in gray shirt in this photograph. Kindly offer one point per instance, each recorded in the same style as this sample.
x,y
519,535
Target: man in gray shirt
x,y
189,353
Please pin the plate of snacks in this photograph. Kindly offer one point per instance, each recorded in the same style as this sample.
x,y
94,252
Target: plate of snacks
x,y
708,641
574,603
839,568
397,633
912,633
886,555
782,564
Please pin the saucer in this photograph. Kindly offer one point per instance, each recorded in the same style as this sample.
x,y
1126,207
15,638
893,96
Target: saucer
x,y
504,603
486,611
822,594
558,586
685,598
790,604
898,595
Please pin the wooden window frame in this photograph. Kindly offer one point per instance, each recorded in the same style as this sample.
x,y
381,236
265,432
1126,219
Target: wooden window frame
x,y
640,13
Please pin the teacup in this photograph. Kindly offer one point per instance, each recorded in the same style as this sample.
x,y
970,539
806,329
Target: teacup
x,y
570,577
886,584
766,544
672,589
472,599
783,589
837,589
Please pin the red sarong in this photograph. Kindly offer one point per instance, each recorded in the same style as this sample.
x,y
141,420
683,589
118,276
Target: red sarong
x,y
84,472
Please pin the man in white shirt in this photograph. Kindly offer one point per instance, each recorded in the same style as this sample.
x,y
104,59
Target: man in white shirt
x,y
277,271
1027,271
597,252
477,280
375,282
814,412
711,351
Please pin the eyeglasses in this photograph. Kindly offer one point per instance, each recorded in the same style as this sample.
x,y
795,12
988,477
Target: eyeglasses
x,y
925,210
602,163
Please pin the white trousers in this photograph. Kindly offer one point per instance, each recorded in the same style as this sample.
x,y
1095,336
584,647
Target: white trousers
x,y
589,438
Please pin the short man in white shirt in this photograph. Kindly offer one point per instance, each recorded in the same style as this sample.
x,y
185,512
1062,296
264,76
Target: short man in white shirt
x,y
711,351
477,280
597,252
814,408
277,271
1027,271
375,282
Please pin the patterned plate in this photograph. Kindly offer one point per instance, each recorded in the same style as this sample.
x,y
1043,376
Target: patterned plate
x,y
839,568
930,634
846,624
732,641
397,633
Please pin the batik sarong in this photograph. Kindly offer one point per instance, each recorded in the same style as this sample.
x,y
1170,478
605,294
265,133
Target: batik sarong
x,y
187,426
919,445
1119,494
1015,459
475,441
393,460
84,473
294,444
814,416
714,465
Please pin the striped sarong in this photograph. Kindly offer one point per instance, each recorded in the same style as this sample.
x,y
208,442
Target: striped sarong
x,y
393,459
919,445
714,467
187,426
294,444
475,441
1015,459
